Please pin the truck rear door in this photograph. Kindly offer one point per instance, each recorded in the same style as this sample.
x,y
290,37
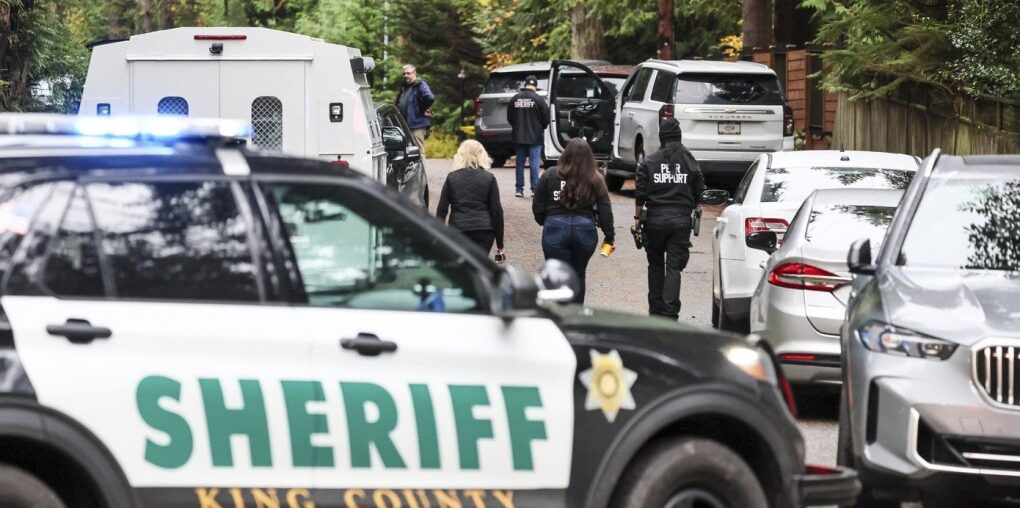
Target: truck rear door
x,y
185,88
275,107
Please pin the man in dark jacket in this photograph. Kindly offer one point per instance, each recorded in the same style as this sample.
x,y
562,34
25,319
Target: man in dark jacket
x,y
668,188
413,101
528,115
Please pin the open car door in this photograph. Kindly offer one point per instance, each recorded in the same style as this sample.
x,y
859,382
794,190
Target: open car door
x,y
581,105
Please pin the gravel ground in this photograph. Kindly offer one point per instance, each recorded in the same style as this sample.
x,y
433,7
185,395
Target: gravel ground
x,y
619,283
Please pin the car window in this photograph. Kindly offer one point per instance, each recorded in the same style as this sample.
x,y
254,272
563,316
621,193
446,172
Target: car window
x,y
663,86
637,90
614,83
17,209
841,224
966,220
745,184
389,118
578,85
749,89
24,275
175,240
354,252
797,183
72,267
512,82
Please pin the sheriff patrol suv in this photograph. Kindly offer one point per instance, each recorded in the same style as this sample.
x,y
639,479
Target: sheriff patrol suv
x,y
186,323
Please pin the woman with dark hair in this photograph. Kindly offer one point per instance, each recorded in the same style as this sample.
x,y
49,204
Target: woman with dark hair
x,y
569,201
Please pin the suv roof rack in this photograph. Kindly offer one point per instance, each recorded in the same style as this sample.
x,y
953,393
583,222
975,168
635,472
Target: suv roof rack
x,y
138,128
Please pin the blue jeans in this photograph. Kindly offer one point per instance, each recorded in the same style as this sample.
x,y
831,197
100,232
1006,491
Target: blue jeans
x,y
534,152
572,239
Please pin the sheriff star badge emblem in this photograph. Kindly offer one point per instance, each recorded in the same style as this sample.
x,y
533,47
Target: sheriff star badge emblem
x,y
608,383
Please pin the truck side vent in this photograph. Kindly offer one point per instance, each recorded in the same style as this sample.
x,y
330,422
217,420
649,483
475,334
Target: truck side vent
x,y
267,123
172,106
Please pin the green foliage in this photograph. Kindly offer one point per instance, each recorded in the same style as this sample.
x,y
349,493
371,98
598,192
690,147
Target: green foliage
x,y
960,46
441,145
528,30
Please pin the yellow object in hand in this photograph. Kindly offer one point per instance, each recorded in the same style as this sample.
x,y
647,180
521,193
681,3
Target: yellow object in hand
x,y
607,249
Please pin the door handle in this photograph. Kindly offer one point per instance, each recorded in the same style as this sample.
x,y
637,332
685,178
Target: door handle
x,y
79,331
367,344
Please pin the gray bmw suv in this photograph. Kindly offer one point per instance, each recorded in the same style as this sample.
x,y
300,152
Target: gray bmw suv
x,y
930,405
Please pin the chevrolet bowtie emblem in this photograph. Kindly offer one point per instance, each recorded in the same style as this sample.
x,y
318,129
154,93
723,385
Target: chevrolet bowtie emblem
x,y
731,110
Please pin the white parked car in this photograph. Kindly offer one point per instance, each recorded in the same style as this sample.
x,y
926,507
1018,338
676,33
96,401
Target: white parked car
x,y
768,197
730,113
801,299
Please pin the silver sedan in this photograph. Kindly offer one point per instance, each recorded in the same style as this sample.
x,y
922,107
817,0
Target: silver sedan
x,y
800,302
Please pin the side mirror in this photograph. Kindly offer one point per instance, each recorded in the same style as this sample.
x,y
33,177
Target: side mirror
x,y
858,260
412,151
763,240
518,292
715,197
393,139
558,283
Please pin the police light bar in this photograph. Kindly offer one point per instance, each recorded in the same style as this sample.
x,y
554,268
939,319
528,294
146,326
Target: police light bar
x,y
160,128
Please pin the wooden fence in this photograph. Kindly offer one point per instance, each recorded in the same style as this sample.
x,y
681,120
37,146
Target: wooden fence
x,y
917,120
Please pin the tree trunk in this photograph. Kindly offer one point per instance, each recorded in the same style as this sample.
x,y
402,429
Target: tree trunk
x,y
794,25
667,40
785,22
586,40
758,24
145,16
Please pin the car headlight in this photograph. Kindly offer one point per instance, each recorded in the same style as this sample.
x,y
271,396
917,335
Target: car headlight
x,y
885,338
754,362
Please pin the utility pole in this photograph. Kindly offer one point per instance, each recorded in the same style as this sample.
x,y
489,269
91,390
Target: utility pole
x,y
666,40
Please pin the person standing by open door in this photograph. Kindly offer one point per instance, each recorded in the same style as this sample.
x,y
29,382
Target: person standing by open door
x,y
528,115
413,101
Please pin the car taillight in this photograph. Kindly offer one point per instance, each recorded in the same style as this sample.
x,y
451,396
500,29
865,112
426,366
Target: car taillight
x,y
478,107
755,224
787,120
666,111
805,277
342,163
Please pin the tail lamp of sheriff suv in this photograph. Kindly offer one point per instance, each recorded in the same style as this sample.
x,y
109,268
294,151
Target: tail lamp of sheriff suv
x,y
787,120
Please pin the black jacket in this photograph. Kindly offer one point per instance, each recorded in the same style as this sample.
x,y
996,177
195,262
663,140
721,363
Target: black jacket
x,y
473,195
669,180
546,203
528,114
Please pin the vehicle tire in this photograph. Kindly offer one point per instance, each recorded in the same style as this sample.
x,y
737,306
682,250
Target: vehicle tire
x,y
639,151
19,489
425,197
689,471
614,183
715,313
498,161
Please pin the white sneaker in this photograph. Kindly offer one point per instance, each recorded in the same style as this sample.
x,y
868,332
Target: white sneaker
x,y
519,194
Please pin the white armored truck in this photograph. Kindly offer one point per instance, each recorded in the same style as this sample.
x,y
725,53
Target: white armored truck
x,y
301,95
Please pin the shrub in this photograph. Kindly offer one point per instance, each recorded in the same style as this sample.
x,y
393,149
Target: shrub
x,y
441,145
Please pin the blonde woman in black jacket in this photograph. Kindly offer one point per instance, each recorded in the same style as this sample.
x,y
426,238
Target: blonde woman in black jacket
x,y
471,197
